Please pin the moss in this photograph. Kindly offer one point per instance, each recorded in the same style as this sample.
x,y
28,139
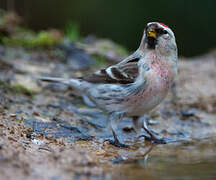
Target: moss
x,y
17,89
72,31
121,50
29,39
101,60
46,39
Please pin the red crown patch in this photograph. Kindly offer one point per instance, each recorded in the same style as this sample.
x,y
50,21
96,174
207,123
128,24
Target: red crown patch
x,y
163,25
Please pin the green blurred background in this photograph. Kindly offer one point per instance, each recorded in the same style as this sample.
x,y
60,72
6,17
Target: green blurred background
x,y
193,21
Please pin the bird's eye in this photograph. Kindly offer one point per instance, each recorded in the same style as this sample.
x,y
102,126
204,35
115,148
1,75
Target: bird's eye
x,y
165,32
161,31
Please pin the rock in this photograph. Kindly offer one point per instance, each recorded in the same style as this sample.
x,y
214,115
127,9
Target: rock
x,y
77,59
27,82
128,129
105,48
189,112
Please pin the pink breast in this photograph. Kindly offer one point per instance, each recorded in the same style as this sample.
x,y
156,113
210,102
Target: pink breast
x,y
159,81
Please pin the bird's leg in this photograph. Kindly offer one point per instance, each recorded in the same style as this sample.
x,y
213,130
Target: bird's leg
x,y
142,123
174,96
137,123
152,137
114,119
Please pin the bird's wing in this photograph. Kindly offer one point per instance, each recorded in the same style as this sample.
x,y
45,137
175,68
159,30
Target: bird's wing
x,y
123,73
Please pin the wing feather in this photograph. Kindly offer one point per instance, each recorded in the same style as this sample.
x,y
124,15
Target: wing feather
x,y
123,73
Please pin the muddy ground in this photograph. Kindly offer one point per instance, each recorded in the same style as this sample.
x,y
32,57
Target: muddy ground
x,y
48,132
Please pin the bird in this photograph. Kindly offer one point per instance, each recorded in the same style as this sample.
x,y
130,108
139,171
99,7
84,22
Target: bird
x,y
134,86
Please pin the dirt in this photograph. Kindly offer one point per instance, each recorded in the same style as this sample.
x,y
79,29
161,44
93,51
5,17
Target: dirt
x,y
48,132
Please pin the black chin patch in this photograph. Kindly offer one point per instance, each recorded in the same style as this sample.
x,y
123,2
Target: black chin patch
x,y
151,42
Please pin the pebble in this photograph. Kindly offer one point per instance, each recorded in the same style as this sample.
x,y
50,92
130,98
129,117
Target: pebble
x,y
13,115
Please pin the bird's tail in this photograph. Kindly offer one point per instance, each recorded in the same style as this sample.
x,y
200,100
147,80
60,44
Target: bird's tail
x,y
74,83
53,79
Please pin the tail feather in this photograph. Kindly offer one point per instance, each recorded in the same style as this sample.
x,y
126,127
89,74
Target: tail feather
x,y
53,79
74,83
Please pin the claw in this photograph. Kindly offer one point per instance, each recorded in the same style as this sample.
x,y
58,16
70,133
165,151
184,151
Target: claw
x,y
158,141
117,144
155,140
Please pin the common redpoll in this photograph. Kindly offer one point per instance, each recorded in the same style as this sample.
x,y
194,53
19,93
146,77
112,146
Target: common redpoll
x,y
137,84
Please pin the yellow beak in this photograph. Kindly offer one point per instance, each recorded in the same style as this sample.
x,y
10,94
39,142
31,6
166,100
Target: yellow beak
x,y
151,34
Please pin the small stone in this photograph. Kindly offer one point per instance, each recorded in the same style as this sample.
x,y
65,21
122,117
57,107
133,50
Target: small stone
x,y
37,141
189,112
49,137
36,113
106,143
128,129
101,152
28,135
13,115
11,139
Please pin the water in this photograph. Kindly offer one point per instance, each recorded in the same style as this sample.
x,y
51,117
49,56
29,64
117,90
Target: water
x,y
187,161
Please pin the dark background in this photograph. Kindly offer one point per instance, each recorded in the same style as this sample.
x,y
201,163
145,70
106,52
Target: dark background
x,y
193,21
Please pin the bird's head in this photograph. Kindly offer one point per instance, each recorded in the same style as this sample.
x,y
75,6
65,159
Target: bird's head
x,y
157,36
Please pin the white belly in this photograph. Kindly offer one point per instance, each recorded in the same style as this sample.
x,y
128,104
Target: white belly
x,y
147,104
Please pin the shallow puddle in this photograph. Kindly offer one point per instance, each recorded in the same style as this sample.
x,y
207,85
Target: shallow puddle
x,y
193,161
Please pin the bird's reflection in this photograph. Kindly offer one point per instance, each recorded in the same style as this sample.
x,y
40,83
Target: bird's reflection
x,y
142,160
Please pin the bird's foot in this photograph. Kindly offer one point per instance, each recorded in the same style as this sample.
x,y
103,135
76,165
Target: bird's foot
x,y
156,140
117,144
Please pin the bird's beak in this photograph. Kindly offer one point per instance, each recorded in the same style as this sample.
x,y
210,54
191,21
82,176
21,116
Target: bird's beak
x,y
151,33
